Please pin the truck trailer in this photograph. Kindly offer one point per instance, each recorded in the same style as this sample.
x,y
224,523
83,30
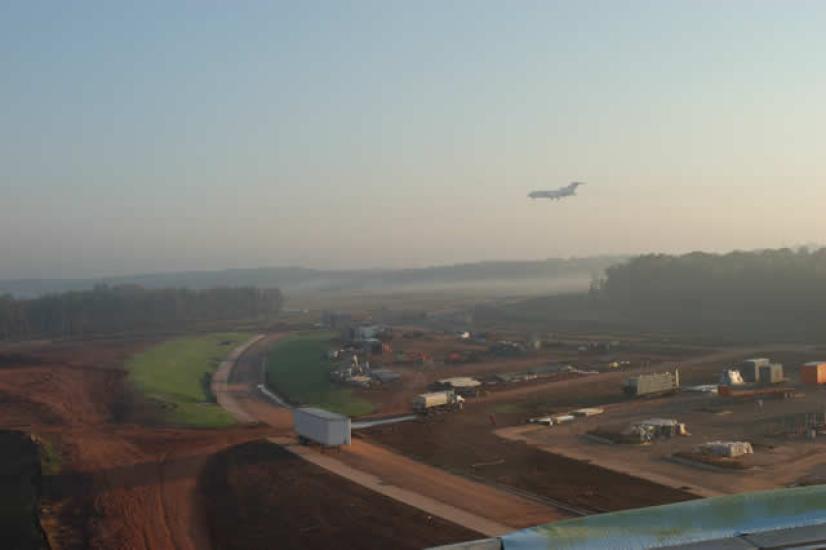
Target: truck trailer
x,y
436,401
323,427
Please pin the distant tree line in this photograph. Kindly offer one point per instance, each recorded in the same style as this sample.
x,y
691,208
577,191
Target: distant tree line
x,y
115,309
783,286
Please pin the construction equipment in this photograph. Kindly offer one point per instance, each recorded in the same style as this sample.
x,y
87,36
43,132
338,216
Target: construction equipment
x,y
437,401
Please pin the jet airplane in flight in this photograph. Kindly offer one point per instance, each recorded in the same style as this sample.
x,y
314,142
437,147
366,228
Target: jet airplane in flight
x,y
556,194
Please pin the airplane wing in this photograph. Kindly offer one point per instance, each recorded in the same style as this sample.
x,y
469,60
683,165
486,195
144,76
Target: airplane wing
x,y
784,518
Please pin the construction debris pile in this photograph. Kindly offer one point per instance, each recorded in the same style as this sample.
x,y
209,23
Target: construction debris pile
x,y
652,429
645,431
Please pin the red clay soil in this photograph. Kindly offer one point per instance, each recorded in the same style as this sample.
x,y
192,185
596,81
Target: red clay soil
x,y
464,443
256,496
121,485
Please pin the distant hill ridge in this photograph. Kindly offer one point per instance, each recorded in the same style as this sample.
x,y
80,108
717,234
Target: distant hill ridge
x,y
298,279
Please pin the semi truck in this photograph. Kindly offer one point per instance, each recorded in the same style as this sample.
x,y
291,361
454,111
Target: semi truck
x,y
437,401
326,428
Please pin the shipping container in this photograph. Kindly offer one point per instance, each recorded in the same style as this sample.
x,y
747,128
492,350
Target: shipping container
x,y
813,373
324,427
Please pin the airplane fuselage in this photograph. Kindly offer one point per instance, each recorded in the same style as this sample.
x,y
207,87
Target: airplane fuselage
x,y
556,194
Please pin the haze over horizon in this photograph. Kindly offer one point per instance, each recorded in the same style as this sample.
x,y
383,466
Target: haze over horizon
x,y
164,137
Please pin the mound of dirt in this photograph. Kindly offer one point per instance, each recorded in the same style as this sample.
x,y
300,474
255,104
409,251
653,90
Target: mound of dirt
x,y
258,495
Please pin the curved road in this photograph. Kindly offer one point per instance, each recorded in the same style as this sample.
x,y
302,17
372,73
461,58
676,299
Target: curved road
x,y
470,504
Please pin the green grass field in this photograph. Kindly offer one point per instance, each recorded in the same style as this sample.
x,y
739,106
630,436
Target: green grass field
x,y
176,374
297,370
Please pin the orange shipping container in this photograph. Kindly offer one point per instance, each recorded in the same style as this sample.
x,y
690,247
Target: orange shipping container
x,y
813,374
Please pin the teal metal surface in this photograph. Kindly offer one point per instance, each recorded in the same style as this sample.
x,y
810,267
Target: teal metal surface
x,y
683,523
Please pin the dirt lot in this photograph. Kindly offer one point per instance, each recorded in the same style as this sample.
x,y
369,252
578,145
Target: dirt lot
x,y
466,442
256,497
127,483
121,484
479,506
395,398
782,455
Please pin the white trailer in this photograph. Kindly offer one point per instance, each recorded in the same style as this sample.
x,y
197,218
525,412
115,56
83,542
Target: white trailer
x,y
323,427
438,400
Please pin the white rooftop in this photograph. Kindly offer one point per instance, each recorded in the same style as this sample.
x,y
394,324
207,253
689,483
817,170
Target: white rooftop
x,y
461,382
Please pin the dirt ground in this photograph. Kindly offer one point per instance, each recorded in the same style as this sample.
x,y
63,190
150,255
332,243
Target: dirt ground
x,y
255,497
387,470
396,398
465,442
783,456
121,484
127,483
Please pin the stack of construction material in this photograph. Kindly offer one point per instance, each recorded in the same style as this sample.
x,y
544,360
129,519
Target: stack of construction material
x,y
728,449
562,418
664,428
588,412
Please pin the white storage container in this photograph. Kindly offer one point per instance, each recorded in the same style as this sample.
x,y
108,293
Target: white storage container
x,y
324,427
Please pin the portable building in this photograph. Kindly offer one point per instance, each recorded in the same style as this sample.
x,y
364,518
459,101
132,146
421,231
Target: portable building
x,y
324,427
750,368
813,373
651,384
770,374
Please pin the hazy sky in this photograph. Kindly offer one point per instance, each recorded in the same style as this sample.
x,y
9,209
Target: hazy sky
x,y
157,136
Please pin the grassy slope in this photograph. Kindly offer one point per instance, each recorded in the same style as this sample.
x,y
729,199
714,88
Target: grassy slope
x,y
174,373
297,370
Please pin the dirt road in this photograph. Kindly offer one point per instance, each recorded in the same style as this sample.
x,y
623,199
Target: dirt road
x,y
473,505
615,379
120,484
